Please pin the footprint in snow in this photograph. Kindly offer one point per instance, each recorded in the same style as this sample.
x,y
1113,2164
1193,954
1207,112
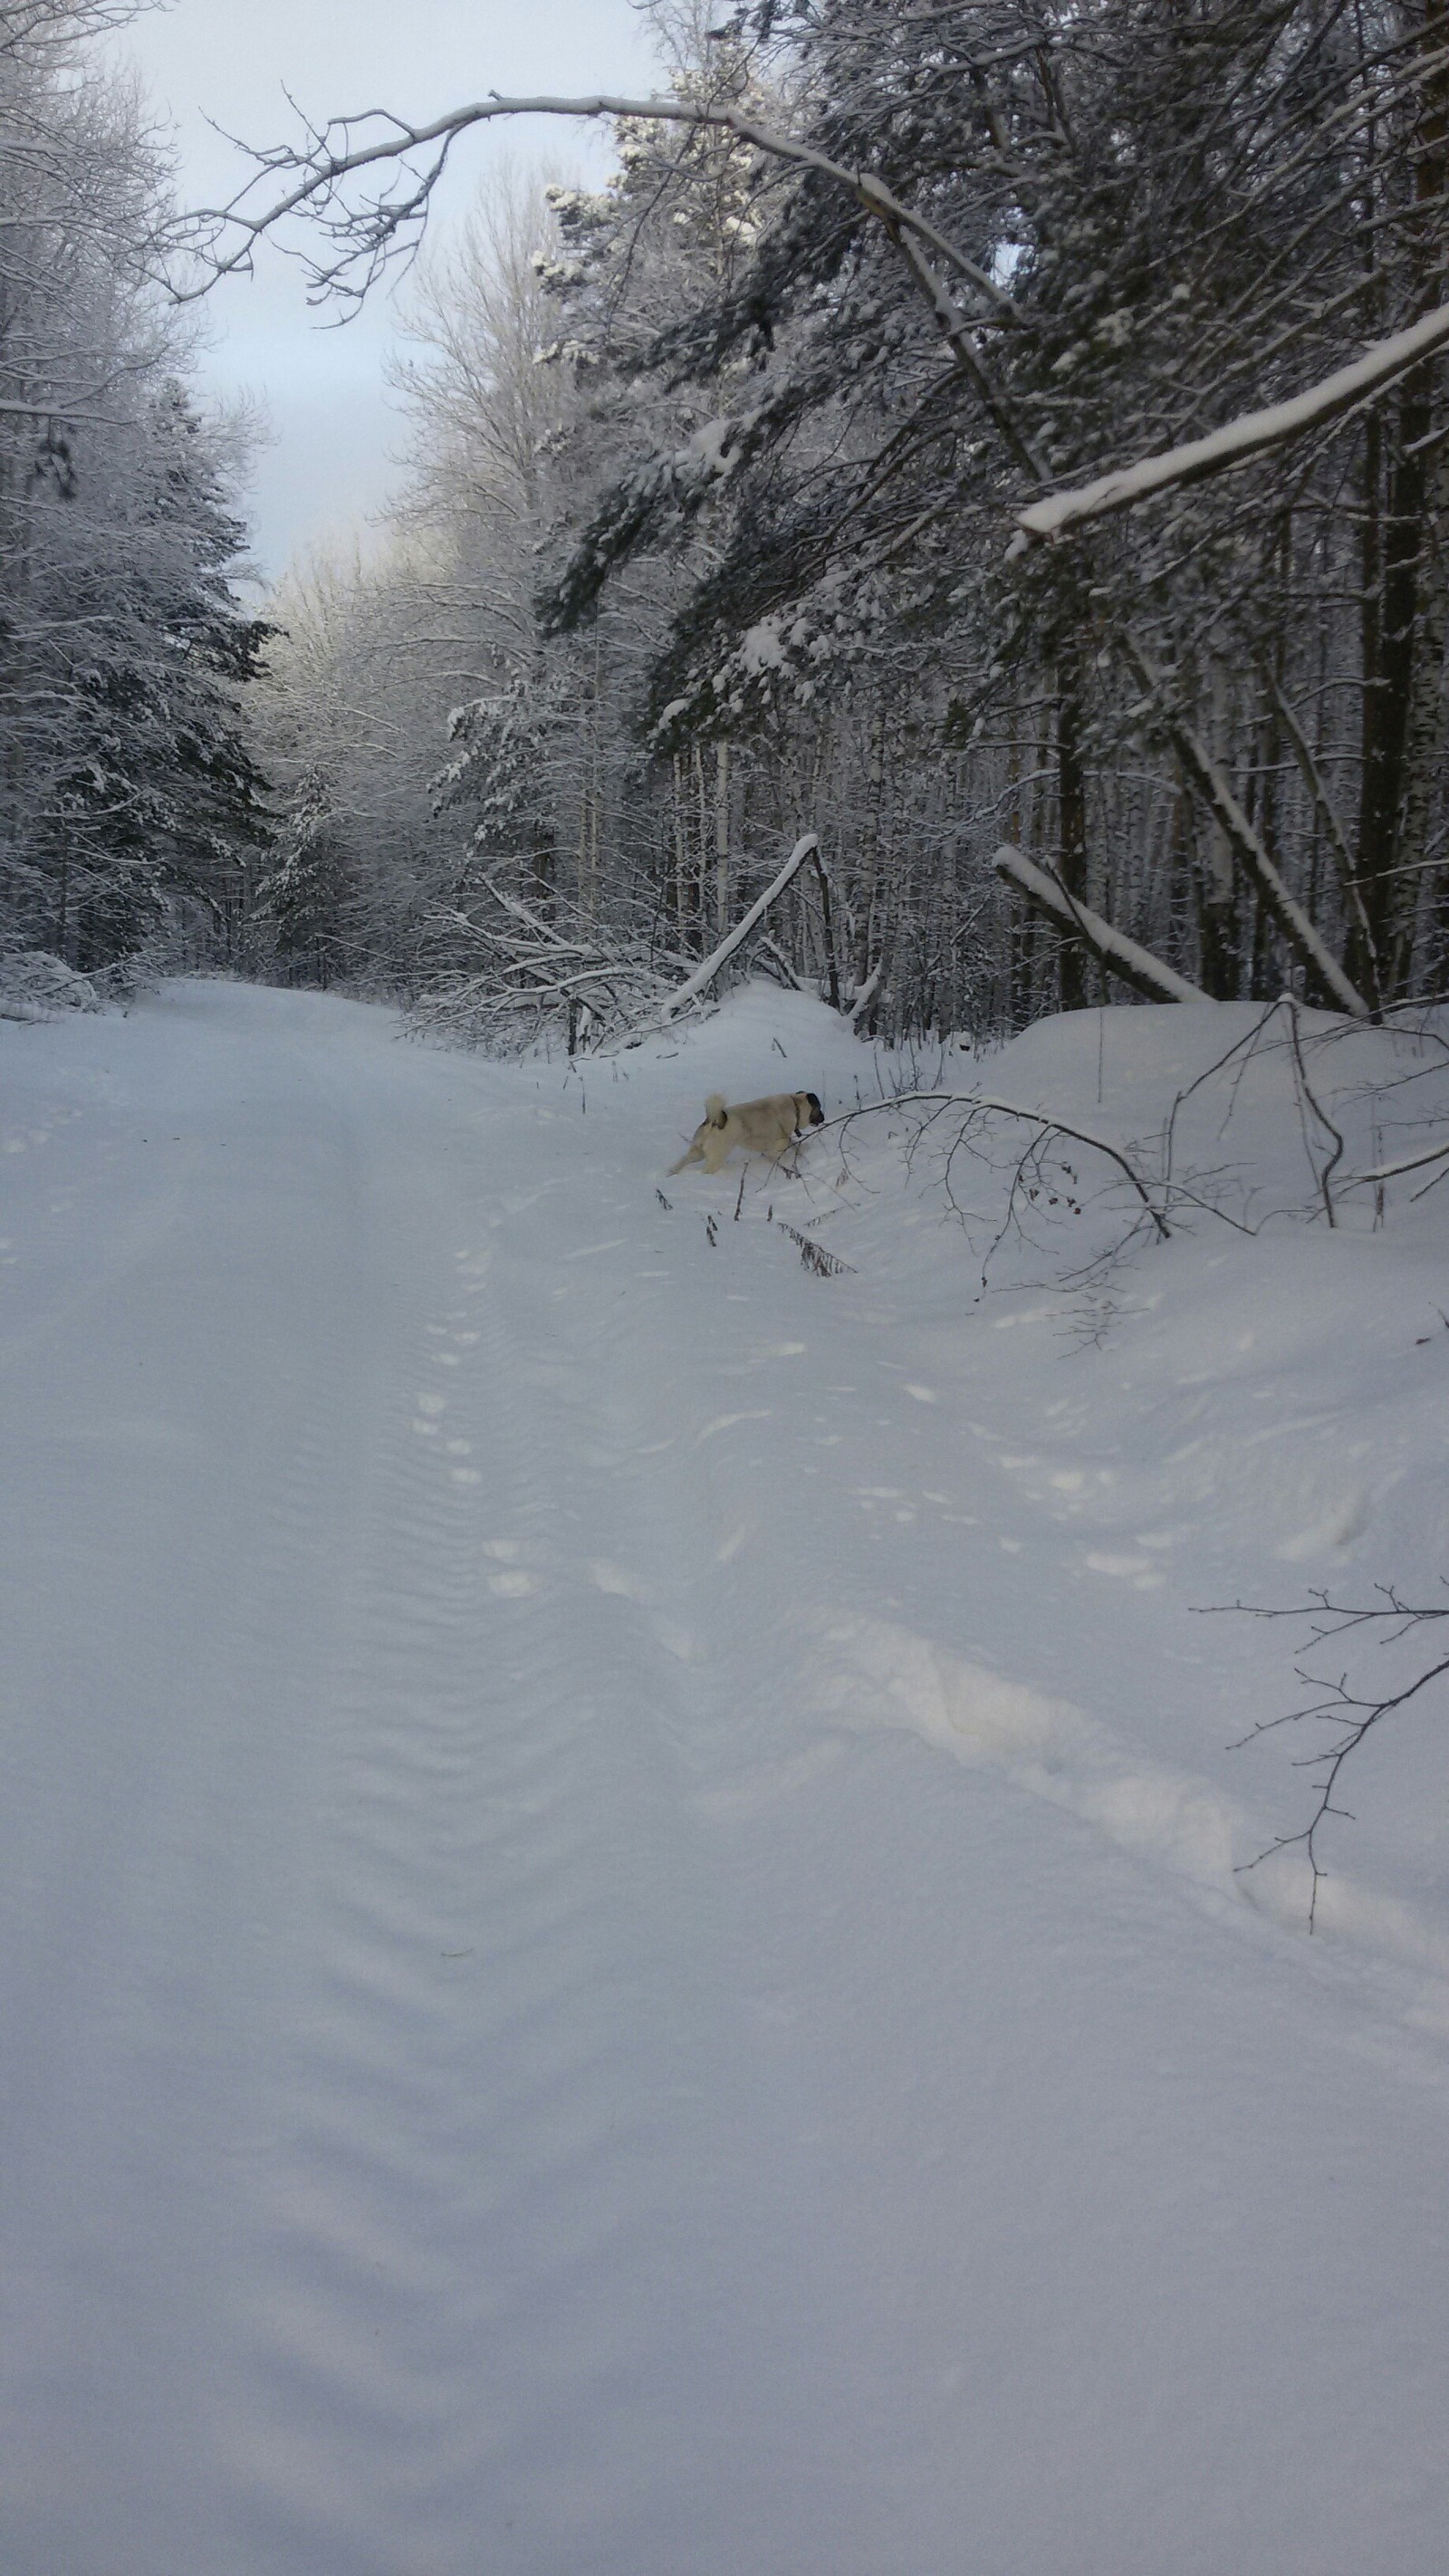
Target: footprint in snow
x,y
1135,1569
615,1579
727,1421
1344,1520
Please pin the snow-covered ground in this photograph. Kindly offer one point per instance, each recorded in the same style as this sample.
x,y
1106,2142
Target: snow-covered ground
x,y
623,1944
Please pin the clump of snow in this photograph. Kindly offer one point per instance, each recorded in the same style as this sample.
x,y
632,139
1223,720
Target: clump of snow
x,y
34,985
760,647
712,452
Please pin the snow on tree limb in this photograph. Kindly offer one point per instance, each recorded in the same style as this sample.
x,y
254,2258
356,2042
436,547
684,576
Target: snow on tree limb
x,y
1121,956
1246,843
866,995
704,975
1238,442
1391,1171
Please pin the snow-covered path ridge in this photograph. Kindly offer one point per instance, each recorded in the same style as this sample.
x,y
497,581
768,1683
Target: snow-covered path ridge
x,y
519,2055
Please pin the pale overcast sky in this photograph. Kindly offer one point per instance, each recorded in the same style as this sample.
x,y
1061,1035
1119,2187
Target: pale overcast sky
x,y
232,61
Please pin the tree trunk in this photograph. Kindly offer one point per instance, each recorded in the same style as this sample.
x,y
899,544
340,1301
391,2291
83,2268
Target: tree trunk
x,y
870,843
1217,876
1390,638
681,853
1428,734
1071,820
1378,950
721,837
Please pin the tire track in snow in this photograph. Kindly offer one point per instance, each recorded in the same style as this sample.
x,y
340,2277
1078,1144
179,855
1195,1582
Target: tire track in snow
x,y
201,1475
489,2012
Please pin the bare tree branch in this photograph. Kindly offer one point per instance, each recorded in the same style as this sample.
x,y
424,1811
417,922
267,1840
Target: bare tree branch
x,y
1353,1713
980,1103
372,232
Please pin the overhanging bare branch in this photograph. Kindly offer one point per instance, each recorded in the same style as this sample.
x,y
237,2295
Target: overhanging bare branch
x,y
225,237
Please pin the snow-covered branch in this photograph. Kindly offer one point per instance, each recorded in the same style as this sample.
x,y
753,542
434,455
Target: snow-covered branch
x,y
1392,1171
703,976
1238,442
1247,846
1121,956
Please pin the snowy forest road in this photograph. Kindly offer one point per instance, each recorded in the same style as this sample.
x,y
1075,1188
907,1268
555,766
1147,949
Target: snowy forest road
x,y
499,2079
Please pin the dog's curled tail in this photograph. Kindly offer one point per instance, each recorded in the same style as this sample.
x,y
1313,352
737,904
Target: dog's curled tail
x,y
715,1112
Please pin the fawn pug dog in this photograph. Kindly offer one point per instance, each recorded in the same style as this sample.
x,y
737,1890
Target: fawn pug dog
x,y
756,1126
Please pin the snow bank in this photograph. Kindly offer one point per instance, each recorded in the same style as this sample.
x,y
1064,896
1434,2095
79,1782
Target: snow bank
x,y
35,986
1248,1413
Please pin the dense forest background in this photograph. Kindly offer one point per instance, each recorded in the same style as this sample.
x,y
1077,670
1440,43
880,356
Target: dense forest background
x,y
710,538
133,816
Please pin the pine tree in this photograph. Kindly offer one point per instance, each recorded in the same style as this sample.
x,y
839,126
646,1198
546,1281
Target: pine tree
x,y
303,897
157,798
500,777
127,795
